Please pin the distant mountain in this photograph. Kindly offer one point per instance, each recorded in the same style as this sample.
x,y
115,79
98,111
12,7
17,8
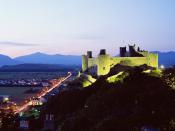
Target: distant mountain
x,y
41,58
166,58
6,60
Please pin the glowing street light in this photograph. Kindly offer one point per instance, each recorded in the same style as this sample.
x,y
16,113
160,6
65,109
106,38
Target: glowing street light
x,y
162,67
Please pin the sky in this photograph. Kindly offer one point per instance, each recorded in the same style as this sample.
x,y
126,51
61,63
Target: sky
x,y
72,27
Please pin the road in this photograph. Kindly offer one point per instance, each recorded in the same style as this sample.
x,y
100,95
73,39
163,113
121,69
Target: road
x,y
26,105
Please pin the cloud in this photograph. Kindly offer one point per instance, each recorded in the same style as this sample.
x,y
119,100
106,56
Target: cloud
x,y
17,44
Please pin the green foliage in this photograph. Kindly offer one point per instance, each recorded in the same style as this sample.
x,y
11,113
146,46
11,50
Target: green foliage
x,y
86,83
88,80
116,78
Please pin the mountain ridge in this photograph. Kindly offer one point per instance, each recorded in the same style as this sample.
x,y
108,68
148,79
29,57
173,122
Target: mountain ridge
x,y
6,60
165,58
42,58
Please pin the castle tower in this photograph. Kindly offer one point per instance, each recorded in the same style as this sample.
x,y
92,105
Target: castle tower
x,y
103,66
102,52
132,51
89,54
122,51
84,63
153,60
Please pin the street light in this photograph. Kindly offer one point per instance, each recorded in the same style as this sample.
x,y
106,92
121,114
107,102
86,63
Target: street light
x,y
162,67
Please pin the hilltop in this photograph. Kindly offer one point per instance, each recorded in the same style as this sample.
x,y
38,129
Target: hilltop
x,y
135,100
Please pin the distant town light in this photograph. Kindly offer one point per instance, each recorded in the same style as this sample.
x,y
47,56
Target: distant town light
x,y
6,99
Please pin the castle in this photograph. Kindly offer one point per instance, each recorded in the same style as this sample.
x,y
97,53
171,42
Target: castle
x,y
104,62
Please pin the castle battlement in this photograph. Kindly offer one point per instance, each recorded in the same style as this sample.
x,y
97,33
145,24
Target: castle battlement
x,y
102,64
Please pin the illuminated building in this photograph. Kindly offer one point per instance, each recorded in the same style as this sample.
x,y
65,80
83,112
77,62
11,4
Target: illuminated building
x,y
102,64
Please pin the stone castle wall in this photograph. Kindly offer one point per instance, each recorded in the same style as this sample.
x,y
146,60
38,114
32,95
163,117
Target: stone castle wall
x,y
105,62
